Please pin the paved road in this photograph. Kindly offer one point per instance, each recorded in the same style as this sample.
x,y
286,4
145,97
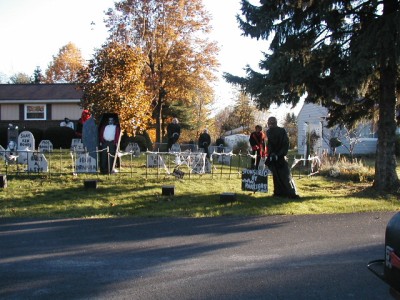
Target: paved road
x,y
277,257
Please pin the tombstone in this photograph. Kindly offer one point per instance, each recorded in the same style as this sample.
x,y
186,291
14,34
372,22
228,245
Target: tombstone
x,y
90,137
133,148
224,158
200,164
2,153
175,148
12,134
26,140
24,155
155,160
85,164
10,154
45,146
37,163
76,143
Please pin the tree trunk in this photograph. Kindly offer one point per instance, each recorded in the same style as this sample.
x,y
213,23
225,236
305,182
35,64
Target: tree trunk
x,y
159,121
386,179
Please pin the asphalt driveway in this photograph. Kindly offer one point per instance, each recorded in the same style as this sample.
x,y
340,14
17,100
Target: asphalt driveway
x,y
277,257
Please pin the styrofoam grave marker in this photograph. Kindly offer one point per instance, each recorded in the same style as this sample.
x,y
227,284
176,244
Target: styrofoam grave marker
x,y
24,155
76,144
85,164
134,148
26,140
37,163
45,146
90,139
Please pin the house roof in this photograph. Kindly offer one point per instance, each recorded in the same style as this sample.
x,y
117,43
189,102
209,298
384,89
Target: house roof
x,y
25,93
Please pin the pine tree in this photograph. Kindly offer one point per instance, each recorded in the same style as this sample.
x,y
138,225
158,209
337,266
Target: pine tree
x,y
342,54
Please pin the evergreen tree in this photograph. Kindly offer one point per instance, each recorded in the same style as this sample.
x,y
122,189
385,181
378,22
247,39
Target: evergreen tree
x,y
37,76
343,54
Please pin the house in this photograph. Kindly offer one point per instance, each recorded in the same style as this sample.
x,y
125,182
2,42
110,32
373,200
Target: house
x,y
39,105
311,121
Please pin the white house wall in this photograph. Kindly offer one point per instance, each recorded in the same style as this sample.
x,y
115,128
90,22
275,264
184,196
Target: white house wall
x,y
363,146
9,112
61,111
310,117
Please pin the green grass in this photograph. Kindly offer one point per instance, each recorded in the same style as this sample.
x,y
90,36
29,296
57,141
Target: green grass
x,y
137,192
121,195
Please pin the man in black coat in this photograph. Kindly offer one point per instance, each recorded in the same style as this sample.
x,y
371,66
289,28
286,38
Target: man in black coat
x,y
278,147
173,132
205,141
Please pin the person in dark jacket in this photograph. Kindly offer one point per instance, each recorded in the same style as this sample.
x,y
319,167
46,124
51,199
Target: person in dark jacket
x,y
173,132
205,141
278,147
257,143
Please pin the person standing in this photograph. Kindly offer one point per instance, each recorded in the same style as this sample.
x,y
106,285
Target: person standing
x,y
205,141
67,123
278,147
109,137
79,127
173,132
257,143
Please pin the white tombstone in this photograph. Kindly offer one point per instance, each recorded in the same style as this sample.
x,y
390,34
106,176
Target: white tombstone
x,y
224,159
75,143
24,154
200,164
175,148
2,153
155,160
134,148
37,163
26,140
45,146
85,164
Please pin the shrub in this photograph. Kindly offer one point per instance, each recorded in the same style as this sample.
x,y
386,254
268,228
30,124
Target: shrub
x,y
60,137
142,139
37,134
341,167
241,147
3,137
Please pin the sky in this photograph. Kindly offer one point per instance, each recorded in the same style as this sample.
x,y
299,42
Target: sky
x,y
33,31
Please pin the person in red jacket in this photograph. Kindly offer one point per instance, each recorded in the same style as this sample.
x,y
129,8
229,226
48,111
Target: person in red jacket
x,y
79,127
257,143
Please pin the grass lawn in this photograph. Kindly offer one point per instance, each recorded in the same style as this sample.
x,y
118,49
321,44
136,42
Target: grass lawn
x,y
137,192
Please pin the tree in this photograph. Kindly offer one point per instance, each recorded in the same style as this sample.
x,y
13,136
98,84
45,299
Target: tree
x,y
171,34
113,82
343,54
20,78
290,124
65,65
37,76
243,111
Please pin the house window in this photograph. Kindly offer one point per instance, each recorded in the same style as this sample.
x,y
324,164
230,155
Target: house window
x,y
35,112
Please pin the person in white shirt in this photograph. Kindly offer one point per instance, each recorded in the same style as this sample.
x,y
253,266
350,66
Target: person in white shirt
x,y
67,123
109,137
